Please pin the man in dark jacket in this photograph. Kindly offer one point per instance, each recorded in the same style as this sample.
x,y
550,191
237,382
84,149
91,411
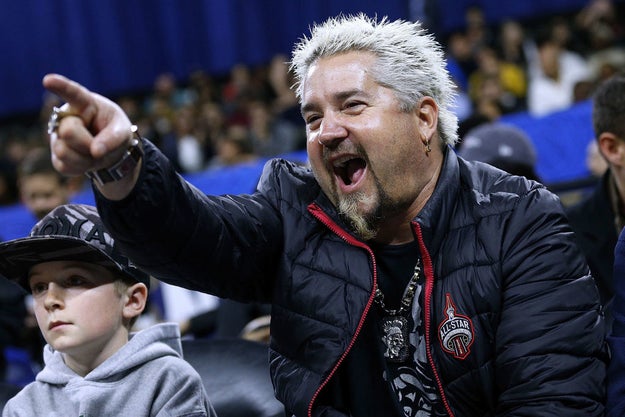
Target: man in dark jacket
x,y
404,281
599,218
598,222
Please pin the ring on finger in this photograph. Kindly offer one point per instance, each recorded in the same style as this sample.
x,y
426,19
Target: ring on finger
x,y
58,113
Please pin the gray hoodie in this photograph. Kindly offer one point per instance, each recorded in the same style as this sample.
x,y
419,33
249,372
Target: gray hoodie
x,y
146,377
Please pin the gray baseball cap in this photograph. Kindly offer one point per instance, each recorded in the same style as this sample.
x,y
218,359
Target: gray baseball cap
x,y
69,232
497,141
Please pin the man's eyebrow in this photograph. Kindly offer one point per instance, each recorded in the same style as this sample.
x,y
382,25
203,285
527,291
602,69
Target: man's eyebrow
x,y
308,107
338,97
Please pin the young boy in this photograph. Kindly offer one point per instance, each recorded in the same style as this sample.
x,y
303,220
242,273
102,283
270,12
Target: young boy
x,y
87,296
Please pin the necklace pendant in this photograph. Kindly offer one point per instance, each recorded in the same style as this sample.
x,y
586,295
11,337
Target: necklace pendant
x,y
395,338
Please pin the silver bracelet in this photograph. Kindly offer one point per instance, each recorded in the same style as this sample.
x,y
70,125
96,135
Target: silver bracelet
x,y
123,167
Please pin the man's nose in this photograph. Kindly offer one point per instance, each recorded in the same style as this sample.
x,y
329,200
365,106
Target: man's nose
x,y
332,131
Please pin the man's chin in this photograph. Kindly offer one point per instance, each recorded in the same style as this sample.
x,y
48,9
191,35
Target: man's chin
x,y
356,214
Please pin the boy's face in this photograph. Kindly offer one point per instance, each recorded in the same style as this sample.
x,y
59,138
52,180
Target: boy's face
x,y
42,192
79,310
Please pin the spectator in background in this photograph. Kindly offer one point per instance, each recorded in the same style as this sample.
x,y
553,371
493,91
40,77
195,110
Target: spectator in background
x,y
271,135
459,64
478,32
512,43
561,32
211,125
159,108
160,115
18,142
235,94
284,103
41,187
233,147
503,146
167,90
552,75
509,85
602,27
599,218
460,60
182,144
203,86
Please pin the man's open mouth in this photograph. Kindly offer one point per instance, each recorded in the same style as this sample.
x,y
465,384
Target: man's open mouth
x,y
350,170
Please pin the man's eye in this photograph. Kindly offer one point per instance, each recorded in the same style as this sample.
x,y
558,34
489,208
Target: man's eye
x,y
313,122
311,119
353,104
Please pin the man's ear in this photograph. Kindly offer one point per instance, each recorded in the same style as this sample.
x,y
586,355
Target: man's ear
x,y
612,148
426,112
136,299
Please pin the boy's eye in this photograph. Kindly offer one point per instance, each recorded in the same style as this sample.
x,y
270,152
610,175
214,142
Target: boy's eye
x,y
75,281
38,288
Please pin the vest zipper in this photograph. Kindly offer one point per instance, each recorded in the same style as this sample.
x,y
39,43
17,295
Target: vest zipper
x,y
320,215
428,270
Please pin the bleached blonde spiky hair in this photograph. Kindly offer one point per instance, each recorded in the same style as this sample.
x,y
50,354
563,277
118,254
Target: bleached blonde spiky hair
x,y
409,61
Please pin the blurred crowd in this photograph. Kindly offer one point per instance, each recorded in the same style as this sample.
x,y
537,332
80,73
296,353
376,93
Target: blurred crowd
x,y
540,66
206,122
203,122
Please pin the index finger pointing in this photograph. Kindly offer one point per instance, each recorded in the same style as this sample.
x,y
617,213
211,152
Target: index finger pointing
x,y
79,98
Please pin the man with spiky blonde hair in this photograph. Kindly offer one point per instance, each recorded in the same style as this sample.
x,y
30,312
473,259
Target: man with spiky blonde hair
x,y
404,280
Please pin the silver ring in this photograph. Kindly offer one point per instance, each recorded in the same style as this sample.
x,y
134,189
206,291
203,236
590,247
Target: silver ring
x,y
55,118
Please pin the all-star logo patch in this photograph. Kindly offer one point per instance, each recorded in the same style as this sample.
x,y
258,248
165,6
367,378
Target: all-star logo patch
x,y
455,333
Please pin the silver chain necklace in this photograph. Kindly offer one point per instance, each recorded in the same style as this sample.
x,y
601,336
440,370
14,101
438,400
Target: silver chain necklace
x,y
394,323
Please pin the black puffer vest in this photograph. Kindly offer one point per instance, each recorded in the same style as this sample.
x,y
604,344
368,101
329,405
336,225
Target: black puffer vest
x,y
513,320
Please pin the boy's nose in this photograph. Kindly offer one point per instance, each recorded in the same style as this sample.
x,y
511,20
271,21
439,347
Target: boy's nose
x,y
53,298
